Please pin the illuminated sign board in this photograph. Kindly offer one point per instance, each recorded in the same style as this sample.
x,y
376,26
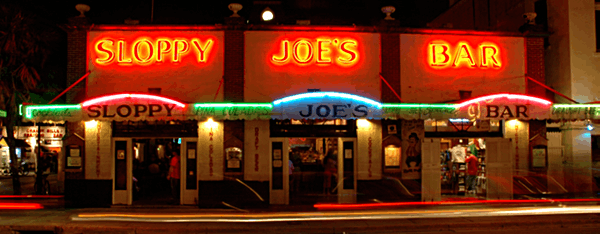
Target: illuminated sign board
x,y
326,105
132,107
322,51
444,55
146,51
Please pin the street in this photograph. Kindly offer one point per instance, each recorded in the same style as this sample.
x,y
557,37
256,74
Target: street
x,y
27,182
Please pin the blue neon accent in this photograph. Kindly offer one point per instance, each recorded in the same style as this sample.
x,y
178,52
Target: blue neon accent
x,y
590,127
458,120
324,94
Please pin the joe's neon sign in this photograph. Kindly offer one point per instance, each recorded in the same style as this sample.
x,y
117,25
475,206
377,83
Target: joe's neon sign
x,y
443,55
322,51
144,51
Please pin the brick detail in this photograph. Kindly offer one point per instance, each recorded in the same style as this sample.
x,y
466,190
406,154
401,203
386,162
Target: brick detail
x,y
233,85
535,67
76,58
390,66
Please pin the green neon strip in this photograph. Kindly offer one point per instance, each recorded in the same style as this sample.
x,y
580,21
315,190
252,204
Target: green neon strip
x,y
21,109
29,109
575,105
2,113
233,105
420,105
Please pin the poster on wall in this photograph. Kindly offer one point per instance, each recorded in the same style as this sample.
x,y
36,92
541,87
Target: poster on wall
x,y
413,131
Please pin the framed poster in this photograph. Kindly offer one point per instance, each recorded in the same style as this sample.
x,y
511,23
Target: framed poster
x,y
348,153
191,153
121,154
538,157
277,154
74,157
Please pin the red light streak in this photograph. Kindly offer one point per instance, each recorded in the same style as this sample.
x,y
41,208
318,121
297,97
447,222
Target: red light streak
x,y
20,206
392,204
30,196
505,95
124,96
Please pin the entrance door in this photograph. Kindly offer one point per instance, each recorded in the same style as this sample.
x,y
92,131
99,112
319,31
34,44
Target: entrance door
x,y
430,170
279,183
499,167
347,172
122,171
189,171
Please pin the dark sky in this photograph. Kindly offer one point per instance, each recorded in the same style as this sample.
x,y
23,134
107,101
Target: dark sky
x,y
412,13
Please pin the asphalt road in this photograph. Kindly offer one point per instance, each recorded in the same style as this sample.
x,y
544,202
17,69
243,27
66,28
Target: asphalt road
x,y
27,182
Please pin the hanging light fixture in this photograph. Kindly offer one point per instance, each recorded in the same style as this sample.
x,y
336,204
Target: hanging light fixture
x,y
589,126
267,14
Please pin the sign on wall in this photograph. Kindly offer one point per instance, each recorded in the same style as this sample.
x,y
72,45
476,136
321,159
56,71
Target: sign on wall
x,y
449,63
285,63
186,65
133,107
326,105
413,131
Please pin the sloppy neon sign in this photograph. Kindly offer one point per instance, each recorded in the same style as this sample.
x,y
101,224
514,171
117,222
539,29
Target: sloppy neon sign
x,y
144,51
322,51
442,55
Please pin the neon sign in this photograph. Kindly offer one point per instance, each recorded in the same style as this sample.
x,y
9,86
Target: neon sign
x,y
322,51
443,55
145,51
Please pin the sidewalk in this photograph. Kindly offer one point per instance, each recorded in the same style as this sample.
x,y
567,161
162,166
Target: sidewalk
x,y
194,220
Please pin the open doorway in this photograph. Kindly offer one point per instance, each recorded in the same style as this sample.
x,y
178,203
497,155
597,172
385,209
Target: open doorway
x,y
313,170
151,163
463,168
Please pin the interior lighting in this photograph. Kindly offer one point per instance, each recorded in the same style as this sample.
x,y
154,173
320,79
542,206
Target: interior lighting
x,y
267,14
327,94
505,95
590,127
130,95
29,109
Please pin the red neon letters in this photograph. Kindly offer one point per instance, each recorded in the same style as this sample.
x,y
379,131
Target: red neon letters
x,y
322,51
442,55
143,51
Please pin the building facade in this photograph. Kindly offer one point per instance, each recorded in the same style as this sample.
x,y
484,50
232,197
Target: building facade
x,y
571,57
302,114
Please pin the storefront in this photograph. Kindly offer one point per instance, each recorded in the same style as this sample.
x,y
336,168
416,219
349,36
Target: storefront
x,y
299,142
296,115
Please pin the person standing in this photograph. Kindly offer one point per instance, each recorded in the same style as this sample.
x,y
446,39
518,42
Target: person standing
x,y
472,165
174,176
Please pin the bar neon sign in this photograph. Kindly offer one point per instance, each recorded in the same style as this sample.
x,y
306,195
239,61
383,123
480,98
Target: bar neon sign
x,y
443,55
322,51
145,51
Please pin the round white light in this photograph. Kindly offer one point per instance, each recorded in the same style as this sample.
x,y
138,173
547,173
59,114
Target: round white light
x,y
267,15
